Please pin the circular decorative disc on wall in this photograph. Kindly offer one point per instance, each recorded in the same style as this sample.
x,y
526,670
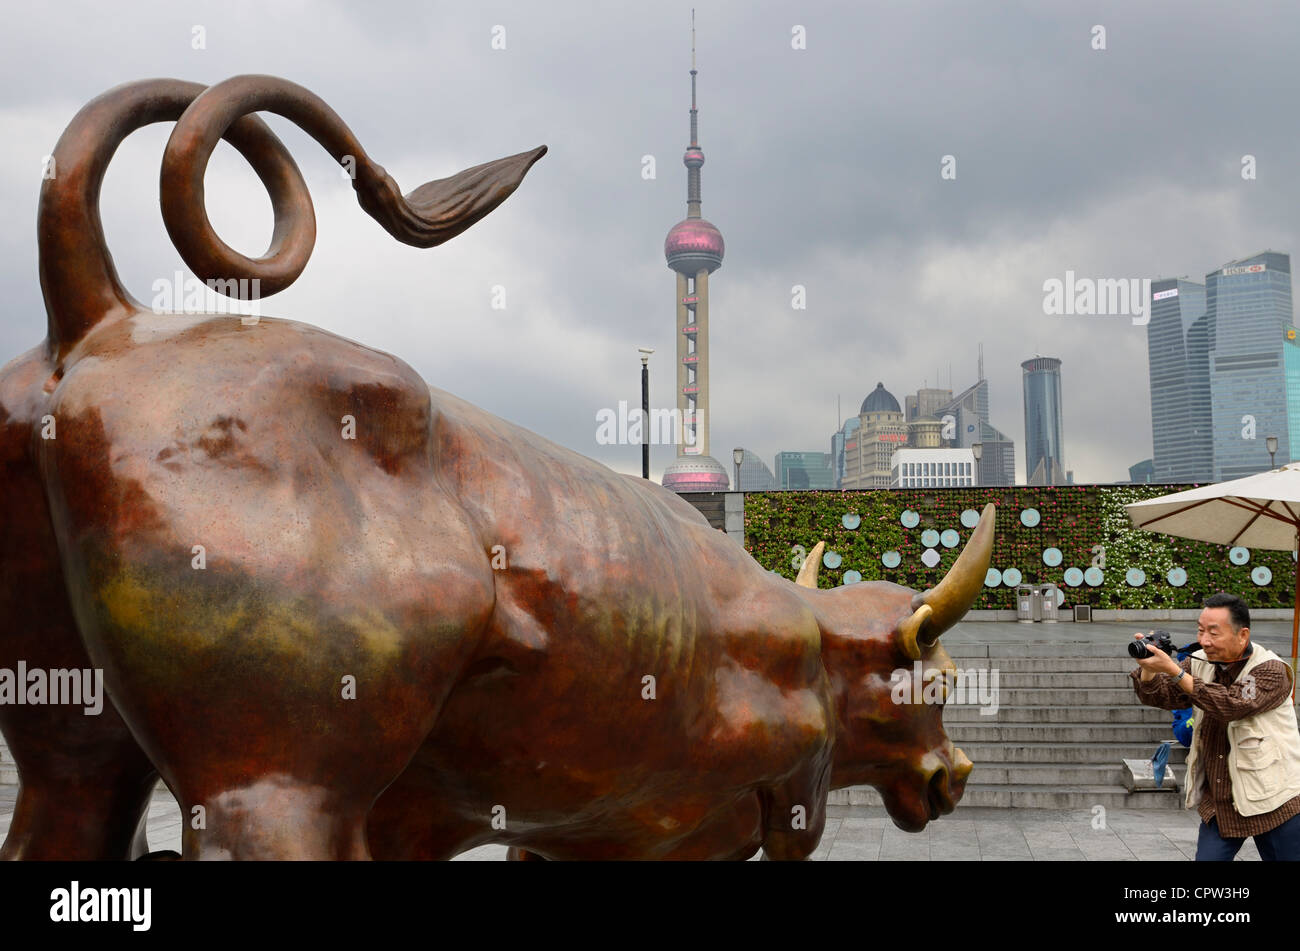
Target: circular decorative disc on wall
x,y
1030,517
1060,597
910,519
1011,577
1051,557
949,538
852,577
851,521
832,559
1177,577
970,518
929,557
1135,577
1239,555
929,538
1261,575
891,559
1093,576
992,578
1073,577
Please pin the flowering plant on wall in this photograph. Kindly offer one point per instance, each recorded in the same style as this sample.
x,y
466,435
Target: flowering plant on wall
x,y
1086,523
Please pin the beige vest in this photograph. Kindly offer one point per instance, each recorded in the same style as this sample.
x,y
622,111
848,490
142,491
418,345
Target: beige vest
x,y
1264,749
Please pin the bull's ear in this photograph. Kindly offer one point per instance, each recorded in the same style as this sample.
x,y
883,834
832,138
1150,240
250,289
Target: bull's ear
x,y
811,565
938,609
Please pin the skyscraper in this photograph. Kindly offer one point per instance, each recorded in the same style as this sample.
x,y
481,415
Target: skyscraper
x,y
803,470
694,249
1182,444
755,476
1043,431
970,412
881,431
1250,361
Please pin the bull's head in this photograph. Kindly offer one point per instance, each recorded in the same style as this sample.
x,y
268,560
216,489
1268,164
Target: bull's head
x,y
889,727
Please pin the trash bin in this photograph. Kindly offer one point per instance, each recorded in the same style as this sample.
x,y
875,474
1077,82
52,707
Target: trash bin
x,y
1026,596
1049,592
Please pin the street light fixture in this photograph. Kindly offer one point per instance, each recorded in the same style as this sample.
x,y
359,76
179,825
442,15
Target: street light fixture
x,y
977,450
1271,443
645,410
737,456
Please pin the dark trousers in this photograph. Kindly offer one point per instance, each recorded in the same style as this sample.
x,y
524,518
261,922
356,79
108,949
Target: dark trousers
x,y
1278,845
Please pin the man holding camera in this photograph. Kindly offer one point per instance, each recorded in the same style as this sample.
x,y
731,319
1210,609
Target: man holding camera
x,y
1243,769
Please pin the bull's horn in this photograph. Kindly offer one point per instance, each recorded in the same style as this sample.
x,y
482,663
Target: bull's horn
x,y
941,607
811,565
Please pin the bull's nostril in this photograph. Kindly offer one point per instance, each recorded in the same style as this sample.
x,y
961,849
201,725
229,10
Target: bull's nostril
x,y
962,765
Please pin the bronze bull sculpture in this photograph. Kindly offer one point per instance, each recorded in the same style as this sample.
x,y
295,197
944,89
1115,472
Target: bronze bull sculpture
x,y
345,614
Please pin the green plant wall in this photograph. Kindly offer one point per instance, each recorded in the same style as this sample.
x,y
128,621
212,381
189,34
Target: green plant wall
x,y
1074,518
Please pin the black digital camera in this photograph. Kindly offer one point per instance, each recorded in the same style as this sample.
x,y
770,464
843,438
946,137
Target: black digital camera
x,y
1137,649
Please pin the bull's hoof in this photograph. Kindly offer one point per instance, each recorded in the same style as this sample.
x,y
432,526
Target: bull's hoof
x,y
514,854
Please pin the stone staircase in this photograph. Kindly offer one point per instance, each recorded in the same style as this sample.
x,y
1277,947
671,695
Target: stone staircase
x,y
1062,729
8,768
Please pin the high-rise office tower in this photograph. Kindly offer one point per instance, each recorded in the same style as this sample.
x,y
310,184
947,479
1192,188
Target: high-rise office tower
x,y
970,413
1043,430
1250,360
803,470
694,249
925,402
1182,444
755,476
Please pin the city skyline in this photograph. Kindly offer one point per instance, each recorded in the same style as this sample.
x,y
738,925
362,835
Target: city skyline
x,y
828,132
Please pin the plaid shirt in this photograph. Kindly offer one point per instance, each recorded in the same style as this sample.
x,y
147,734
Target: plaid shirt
x,y
1217,703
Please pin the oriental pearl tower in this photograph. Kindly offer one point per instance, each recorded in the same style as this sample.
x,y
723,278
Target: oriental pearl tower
x,y
694,250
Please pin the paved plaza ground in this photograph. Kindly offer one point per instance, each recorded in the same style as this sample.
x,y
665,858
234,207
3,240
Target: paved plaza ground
x,y
863,833
860,833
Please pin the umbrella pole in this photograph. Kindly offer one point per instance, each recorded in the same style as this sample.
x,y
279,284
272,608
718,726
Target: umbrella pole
x,y
1295,621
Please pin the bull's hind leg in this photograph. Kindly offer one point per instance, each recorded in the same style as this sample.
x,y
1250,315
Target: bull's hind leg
x,y
84,781
84,788
278,717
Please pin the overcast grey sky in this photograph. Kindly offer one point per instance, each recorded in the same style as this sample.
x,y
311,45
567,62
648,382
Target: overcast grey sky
x,y
822,169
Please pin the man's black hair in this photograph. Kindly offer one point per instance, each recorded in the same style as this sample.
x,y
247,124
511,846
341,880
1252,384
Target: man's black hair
x,y
1237,610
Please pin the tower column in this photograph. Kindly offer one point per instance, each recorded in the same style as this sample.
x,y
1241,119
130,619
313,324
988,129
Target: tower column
x,y
683,374
702,367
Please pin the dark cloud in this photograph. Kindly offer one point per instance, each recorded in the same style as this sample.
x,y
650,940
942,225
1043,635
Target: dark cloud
x,y
822,170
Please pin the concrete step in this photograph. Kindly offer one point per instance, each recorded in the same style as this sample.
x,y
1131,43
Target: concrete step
x,y
1053,774
1059,696
1081,732
1034,797
1080,754
1119,664
1061,647
1111,680
1008,713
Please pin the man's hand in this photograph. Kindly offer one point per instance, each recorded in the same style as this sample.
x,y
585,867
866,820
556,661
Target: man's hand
x,y
1158,662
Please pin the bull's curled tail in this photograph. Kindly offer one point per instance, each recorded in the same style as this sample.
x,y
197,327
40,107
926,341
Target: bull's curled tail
x,y
78,280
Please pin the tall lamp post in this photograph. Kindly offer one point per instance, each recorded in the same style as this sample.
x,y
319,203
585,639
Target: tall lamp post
x,y
977,450
645,410
737,456
1271,444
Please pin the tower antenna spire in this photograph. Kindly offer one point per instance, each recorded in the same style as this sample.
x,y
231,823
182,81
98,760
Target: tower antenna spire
x,y
692,43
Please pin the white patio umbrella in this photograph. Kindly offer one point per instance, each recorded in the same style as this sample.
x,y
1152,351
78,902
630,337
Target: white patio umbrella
x,y
1259,511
